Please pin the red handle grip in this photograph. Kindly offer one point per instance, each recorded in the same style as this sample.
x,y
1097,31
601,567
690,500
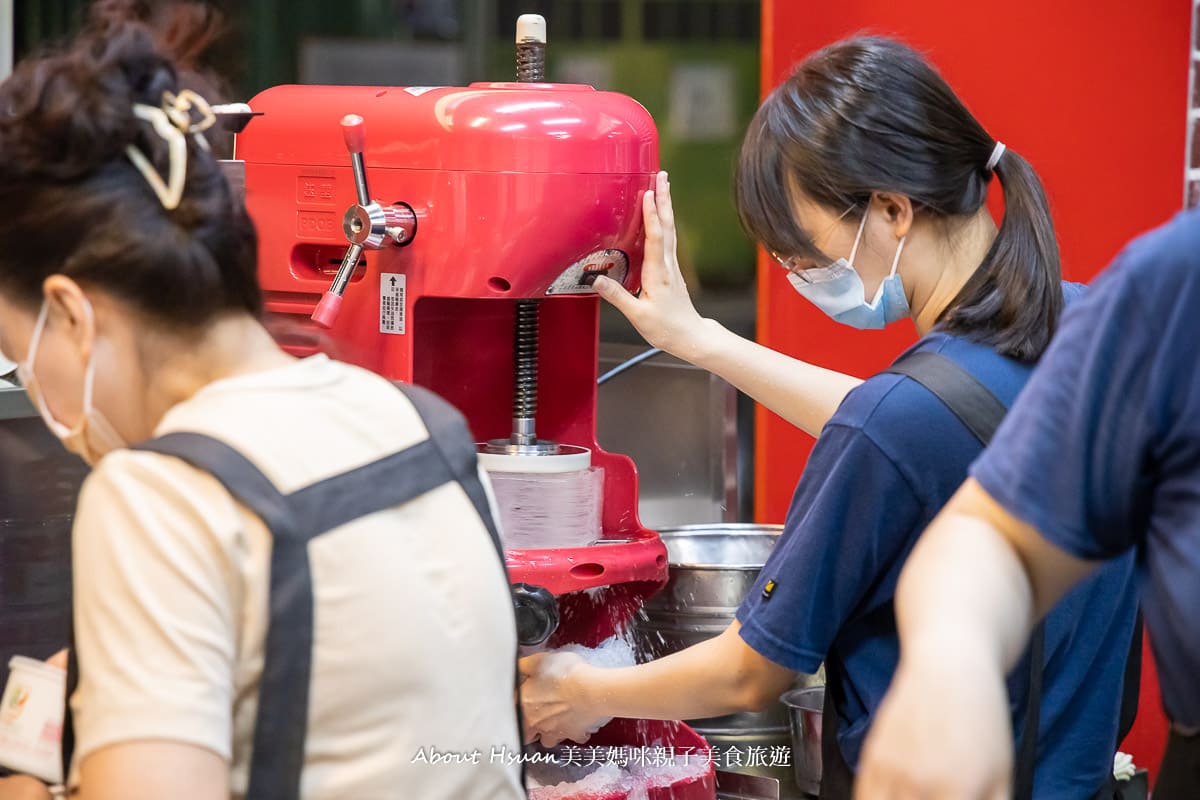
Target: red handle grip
x,y
354,131
327,310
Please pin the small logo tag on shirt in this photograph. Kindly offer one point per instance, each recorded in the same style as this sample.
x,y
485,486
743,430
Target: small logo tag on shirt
x,y
768,589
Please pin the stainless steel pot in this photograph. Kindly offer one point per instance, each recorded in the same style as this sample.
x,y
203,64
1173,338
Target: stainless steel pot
x,y
712,568
805,713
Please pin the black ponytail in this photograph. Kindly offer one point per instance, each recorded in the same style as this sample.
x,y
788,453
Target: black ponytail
x,y
1013,300
871,115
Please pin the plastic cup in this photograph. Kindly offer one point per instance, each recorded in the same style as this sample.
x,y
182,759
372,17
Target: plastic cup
x,y
31,719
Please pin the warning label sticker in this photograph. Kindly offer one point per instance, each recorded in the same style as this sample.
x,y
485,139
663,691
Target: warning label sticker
x,y
391,302
417,91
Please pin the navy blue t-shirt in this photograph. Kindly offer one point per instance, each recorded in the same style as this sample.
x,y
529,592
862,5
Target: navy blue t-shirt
x,y
1102,453
886,462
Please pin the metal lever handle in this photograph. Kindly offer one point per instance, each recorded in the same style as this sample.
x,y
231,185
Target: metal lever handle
x,y
367,224
354,132
327,310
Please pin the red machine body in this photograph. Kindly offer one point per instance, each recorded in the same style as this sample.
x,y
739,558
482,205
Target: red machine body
x,y
518,190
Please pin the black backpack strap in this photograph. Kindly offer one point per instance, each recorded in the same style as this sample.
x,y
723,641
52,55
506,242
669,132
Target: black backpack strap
x,y
837,778
1132,684
281,723
961,392
66,747
1027,749
288,648
981,412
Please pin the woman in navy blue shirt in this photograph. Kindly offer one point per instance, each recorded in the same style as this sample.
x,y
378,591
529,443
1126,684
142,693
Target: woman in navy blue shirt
x,y
1100,458
866,178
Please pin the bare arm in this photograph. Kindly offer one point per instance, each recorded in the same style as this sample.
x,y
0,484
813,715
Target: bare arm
x,y
565,698
152,770
804,394
980,574
23,787
967,600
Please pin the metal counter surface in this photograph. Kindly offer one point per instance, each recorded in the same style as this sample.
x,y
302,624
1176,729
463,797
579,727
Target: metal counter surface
x,y
14,403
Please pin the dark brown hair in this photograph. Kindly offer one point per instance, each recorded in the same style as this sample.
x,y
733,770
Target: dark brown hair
x,y
71,202
869,114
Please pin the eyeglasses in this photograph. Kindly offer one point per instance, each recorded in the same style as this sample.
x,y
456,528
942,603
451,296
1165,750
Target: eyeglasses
x,y
798,265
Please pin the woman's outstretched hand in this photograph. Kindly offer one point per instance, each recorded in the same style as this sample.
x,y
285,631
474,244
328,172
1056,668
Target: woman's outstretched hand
x,y
663,313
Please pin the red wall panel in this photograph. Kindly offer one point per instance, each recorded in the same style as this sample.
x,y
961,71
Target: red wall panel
x,y
1092,93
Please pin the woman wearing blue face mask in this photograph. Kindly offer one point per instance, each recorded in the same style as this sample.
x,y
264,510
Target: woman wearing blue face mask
x,y
867,179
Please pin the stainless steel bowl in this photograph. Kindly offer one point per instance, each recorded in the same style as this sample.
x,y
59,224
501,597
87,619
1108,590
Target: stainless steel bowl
x,y
712,568
805,708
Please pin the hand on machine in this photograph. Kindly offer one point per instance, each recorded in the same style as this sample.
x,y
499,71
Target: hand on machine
x,y
663,312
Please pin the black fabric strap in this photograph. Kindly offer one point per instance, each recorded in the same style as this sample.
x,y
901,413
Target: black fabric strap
x,y
369,489
1179,774
293,520
969,400
67,741
981,412
1131,686
1026,765
837,778
281,722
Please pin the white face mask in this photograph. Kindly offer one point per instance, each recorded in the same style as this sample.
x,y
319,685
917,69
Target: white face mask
x,y
93,436
839,292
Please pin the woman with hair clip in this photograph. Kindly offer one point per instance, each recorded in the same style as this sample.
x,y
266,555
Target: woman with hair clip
x,y
286,573
866,178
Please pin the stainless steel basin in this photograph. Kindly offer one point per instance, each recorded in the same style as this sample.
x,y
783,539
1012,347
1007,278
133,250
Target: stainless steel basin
x,y
711,570
806,707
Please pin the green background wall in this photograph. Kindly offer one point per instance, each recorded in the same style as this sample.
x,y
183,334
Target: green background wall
x,y
263,42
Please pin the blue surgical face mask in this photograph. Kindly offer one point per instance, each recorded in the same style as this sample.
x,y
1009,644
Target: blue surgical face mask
x,y
839,292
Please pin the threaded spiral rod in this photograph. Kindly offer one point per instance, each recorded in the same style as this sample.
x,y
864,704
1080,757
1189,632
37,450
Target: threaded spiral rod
x,y
531,62
525,375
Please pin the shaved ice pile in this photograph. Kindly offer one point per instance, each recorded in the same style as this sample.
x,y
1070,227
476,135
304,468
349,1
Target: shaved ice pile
x,y
634,781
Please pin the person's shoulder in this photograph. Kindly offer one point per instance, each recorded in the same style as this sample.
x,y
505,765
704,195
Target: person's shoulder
x,y
136,494
427,404
1161,266
277,418
1178,240
886,399
1072,291
886,403
130,472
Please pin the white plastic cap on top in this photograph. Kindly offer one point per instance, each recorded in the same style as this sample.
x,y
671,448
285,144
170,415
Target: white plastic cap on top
x,y
570,460
531,28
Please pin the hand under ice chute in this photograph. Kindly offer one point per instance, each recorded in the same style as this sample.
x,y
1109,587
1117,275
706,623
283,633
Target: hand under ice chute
x,y
554,699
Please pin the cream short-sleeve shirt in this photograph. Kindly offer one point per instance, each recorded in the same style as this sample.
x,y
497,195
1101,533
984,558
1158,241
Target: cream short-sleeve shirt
x,y
413,623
